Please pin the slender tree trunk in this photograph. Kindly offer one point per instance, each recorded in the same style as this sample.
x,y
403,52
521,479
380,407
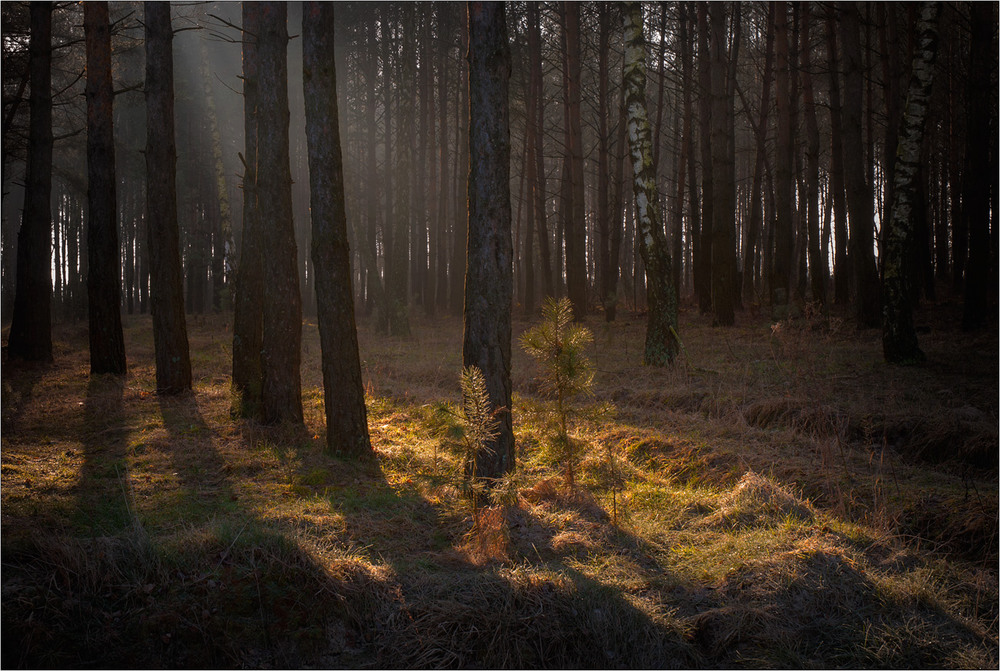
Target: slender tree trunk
x,y
603,167
281,391
817,265
783,243
841,264
343,389
575,235
444,33
31,323
703,260
489,280
248,308
107,344
538,189
978,176
173,363
661,296
723,210
899,339
460,233
865,289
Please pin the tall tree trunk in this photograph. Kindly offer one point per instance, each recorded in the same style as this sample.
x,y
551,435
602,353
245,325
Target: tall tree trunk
x,y
170,341
489,279
899,339
603,167
460,233
703,250
31,324
756,216
107,344
817,264
538,188
248,307
841,263
343,389
576,260
865,289
444,33
281,391
723,210
661,296
978,176
783,163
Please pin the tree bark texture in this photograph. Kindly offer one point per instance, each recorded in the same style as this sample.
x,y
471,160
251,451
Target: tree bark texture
x,y
343,389
576,261
841,264
281,392
781,276
31,323
170,341
248,307
899,339
817,264
107,345
661,296
489,276
724,192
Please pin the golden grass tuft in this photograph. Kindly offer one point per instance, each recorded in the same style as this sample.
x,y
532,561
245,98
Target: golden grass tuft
x,y
757,501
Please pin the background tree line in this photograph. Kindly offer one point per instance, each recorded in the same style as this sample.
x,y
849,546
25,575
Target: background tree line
x,y
775,128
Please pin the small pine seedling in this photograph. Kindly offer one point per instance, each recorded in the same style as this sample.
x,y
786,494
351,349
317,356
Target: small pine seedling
x,y
558,345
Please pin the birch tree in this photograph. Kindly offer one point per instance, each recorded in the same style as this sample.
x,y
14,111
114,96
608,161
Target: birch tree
x,y
661,294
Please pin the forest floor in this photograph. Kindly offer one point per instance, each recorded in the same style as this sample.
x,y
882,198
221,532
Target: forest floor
x,y
778,498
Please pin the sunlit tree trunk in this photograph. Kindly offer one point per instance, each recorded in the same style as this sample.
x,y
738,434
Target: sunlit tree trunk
x,y
343,390
661,296
248,308
281,392
31,323
173,363
107,344
489,279
899,339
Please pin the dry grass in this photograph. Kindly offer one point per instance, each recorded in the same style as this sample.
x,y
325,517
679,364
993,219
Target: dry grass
x,y
783,499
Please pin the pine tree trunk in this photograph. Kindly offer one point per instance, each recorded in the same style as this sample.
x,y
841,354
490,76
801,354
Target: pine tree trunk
x,y
538,189
817,264
661,296
343,389
170,341
899,339
841,265
703,248
31,323
489,280
723,190
575,227
107,344
281,392
248,308
781,275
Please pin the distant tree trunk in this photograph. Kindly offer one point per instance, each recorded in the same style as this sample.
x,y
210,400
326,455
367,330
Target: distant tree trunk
x,y
817,264
661,296
107,344
281,391
703,250
489,279
538,188
723,211
444,32
459,232
603,168
170,341
899,339
576,260
248,308
783,163
841,264
865,289
977,173
694,205
756,217
31,324
343,389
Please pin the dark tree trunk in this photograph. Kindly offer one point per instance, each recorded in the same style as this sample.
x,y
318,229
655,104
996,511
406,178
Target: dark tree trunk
x,y
575,229
841,264
489,280
248,308
538,189
31,323
444,33
604,224
723,210
173,363
107,345
817,264
460,233
865,289
661,325
343,389
899,339
281,392
703,250
783,164
978,176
